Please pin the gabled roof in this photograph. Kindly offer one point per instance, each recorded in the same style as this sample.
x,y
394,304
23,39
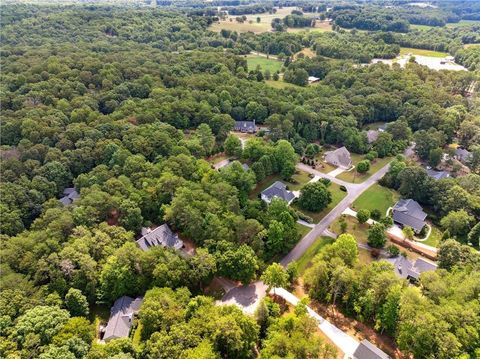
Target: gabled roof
x,y
407,269
244,125
367,350
409,213
278,189
70,195
462,154
372,135
313,79
437,175
160,236
121,317
340,157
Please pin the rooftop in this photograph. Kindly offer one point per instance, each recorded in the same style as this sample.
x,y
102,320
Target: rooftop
x,y
409,213
121,317
367,350
437,175
70,195
278,189
407,269
339,157
160,236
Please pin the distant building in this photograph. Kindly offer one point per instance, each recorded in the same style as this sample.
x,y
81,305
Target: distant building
x,y
408,212
405,268
245,126
313,79
279,190
340,158
70,195
437,175
367,350
121,317
372,136
160,236
462,155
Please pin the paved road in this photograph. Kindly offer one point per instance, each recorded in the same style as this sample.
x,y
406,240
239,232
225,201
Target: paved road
x,y
342,340
354,191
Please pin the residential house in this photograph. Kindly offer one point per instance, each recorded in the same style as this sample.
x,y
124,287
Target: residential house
x,y
372,136
405,268
462,155
437,175
313,79
340,158
160,236
121,317
279,190
408,212
245,126
367,350
70,195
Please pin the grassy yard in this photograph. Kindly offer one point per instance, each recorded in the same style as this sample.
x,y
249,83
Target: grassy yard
x,y
300,178
303,230
280,84
99,314
421,52
305,260
355,177
337,196
359,231
376,197
269,64
217,158
434,238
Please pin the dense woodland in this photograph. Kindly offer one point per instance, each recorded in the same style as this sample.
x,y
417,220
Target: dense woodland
x,y
128,104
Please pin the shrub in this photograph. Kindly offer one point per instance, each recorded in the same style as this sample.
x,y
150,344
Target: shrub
x,y
363,166
304,217
393,251
376,214
343,188
363,215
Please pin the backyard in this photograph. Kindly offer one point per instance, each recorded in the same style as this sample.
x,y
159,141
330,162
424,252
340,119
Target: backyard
x,y
337,196
355,177
434,238
376,197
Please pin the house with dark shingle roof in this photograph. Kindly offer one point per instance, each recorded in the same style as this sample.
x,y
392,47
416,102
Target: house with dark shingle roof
x,y
279,190
367,350
245,126
437,175
160,236
121,317
70,195
408,212
462,155
405,268
340,158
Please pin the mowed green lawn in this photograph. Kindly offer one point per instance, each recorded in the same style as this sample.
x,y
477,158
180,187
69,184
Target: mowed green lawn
x,y
376,197
355,177
421,52
271,65
434,238
305,260
337,196
280,84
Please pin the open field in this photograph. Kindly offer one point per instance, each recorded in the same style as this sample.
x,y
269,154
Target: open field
x,y
319,27
280,85
471,45
376,197
307,52
421,52
355,177
464,23
270,64
305,260
337,196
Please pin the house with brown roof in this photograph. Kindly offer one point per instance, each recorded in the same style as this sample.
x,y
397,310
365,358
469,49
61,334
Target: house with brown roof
x,y
339,158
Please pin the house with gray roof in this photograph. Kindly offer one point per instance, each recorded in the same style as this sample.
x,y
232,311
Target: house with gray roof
x,y
279,190
70,195
340,158
121,317
160,236
437,175
245,126
372,136
405,268
408,212
462,155
367,350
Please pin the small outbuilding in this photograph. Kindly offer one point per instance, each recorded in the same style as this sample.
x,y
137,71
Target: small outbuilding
x,y
121,317
340,158
160,236
408,212
70,195
313,79
278,190
245,126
